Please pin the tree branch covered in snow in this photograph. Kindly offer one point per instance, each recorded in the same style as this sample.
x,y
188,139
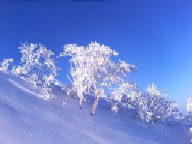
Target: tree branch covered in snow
x,y
37,67
189,110
93,72
123,96
153,105
92,67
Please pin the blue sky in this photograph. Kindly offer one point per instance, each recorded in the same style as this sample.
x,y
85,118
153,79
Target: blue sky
x,y
156,36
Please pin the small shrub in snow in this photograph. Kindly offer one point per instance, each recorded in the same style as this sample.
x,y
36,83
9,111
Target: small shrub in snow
x,y
5,64
115,107
153,105
69,90
124,96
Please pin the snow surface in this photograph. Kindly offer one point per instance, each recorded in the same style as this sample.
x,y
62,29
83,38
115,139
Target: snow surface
x,y
25,118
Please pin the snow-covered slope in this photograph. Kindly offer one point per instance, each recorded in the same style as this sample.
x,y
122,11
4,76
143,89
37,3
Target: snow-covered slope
x,y
27,119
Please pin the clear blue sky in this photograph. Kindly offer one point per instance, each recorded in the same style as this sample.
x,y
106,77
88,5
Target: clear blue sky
x,y
156,36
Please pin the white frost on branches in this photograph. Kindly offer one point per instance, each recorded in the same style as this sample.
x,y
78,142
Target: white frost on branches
x,y
93,72
5,64
37,67
92,68
123,96
189,106
189,110
153,105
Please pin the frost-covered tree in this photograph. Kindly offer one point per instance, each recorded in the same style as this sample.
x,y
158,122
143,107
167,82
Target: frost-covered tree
x,y
124,96
189,106
189,110
153,105
37,67
5,64
93,69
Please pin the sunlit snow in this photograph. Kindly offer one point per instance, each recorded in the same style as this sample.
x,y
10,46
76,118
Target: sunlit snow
x,y
27,119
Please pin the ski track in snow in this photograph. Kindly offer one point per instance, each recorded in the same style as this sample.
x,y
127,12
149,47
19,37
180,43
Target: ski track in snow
x,y
23,88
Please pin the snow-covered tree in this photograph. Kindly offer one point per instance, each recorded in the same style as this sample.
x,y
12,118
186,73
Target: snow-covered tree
x,y
189,110
37,67
5,64
153,105
92,68
189,106
124,96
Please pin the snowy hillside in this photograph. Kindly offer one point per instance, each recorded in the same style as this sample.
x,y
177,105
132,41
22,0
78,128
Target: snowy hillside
x,y
25,118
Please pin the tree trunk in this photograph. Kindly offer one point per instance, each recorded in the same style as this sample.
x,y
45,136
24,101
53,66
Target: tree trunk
x,y
80,103
95,103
